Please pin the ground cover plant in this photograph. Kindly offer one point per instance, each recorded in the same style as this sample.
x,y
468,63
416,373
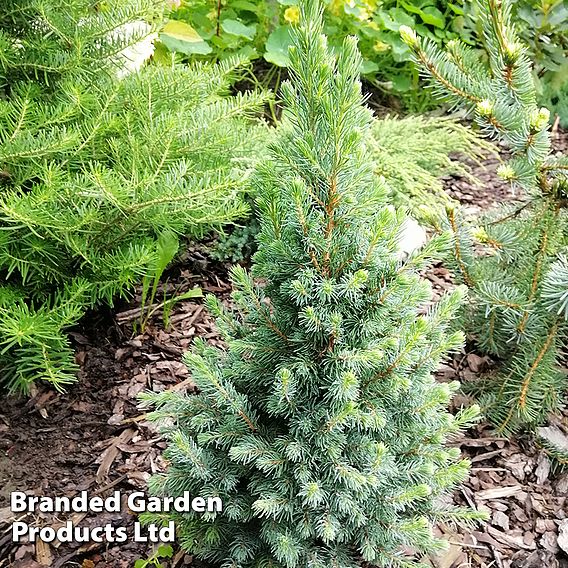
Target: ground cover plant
x,y
97,161
414,153
519,280
321,426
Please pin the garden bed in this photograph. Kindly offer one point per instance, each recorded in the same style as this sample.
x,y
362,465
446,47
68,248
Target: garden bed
x,y
95,438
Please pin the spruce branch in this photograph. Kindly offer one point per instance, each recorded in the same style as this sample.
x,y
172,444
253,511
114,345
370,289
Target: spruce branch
x,y
510,312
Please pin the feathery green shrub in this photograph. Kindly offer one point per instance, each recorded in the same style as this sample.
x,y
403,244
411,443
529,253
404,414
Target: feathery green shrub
x,y
413,153
518,280
96,161
321,427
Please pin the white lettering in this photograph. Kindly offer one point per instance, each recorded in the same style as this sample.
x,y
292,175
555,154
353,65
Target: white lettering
x,y
96,534
18,502
167,534
96,505
112,504
61,504
214,504
121,535
182,504
138,537
79,504
47,534
136,503
66,533
19,529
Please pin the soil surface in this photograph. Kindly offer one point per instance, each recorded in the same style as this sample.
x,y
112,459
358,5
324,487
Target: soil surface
x,y
94,437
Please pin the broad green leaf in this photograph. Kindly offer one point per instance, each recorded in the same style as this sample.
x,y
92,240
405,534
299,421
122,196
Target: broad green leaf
x,y
410,7
277,46
246,6
201,22
162,54
369,67
424,31
179,36
247,51
402,83
225,42
456,9
459,25
440,33
166,249
394,18
193,293
165,551
431,15
401,17
400,51
140,563
189,295
288,2
236,28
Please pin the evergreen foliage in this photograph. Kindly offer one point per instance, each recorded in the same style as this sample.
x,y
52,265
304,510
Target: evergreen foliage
x,y
519,280
321,426
95,165
413,154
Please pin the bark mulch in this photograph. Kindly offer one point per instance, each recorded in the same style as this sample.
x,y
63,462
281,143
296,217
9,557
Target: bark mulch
x,y
95,438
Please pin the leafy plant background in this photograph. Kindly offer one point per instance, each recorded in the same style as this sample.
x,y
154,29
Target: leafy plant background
x,y
261,31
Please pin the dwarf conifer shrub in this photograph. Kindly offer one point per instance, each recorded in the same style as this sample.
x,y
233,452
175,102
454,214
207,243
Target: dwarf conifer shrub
x,y
96,162
320,427
519,280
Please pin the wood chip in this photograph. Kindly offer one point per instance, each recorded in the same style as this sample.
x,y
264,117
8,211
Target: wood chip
x,y
563,535
509,539
539,559
486,456
6,515
498,492
562,484
43,553
453,557
549,541
26,563
543,468
475,362
110,454
501,520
